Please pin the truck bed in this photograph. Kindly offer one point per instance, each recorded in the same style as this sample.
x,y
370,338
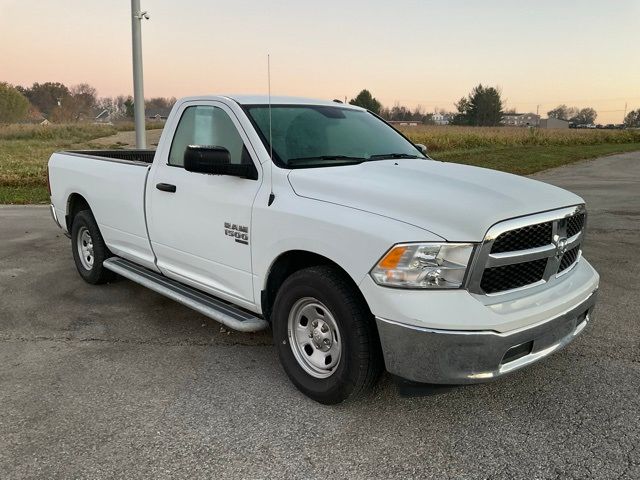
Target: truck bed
x,y
113,183
125,156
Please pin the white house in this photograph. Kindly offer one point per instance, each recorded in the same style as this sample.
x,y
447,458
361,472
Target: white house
x,y
441,118
520,119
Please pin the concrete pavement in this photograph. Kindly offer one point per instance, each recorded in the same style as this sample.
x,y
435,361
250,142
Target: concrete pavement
x,y
118,382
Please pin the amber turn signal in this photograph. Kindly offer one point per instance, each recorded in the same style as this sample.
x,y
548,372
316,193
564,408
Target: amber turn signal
x,y
392,259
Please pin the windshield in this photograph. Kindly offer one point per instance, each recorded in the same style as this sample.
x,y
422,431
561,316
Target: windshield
x,y
316,136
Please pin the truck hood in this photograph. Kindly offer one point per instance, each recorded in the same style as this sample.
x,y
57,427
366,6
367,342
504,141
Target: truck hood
x,y
456,202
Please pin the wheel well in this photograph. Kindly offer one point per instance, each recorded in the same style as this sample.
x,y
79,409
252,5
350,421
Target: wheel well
x,y
76,203
287,264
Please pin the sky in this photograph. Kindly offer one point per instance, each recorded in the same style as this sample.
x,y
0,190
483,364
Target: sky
x,y
429,53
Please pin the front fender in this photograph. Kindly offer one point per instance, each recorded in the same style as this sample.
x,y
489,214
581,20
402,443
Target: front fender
x,y
351,238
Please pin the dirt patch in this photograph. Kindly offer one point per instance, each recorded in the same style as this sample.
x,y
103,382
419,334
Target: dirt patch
x,y
128,139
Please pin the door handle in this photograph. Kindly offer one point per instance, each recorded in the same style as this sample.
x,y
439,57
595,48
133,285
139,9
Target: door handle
x,y
166,187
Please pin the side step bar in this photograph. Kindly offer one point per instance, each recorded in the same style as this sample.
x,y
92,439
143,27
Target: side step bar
x,y
219,310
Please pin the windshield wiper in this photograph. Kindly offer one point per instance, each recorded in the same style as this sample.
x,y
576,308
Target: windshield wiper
x,y
392,155
341,158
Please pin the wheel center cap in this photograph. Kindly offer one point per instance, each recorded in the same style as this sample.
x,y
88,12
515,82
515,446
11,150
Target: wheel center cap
x,y
322,339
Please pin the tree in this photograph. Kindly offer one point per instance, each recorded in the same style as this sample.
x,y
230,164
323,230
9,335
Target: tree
x,y
365,100
562,112
128,107
46,96
81,103
481,108
85,99
158,106
463,106
585,116
107,103
632,120
401,113
13,105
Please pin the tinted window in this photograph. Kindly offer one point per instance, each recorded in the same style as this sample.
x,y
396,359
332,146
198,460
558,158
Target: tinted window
x,y
205,125
311,135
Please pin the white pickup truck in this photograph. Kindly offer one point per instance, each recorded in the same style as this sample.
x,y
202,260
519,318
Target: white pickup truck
x,y
322,221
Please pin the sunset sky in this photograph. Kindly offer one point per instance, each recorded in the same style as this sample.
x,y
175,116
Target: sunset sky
x,y
582,53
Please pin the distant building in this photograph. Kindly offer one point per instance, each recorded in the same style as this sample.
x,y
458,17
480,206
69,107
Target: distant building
x,y
405,123
158,113
103,117
553,123
35,116
442,118
520,119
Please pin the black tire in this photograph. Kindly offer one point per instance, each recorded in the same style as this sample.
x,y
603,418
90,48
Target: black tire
x,y
92,272
360,361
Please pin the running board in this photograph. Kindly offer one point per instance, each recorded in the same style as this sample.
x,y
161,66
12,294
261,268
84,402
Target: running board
x,y
220,311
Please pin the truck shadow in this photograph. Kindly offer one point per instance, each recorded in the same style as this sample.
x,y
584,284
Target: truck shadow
x,y
409,389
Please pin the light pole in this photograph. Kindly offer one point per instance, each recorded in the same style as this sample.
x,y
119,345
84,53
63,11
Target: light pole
x,y
138,84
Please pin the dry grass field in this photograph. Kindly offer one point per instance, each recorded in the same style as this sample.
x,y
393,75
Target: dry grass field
x,y
447,138
25,149
520,150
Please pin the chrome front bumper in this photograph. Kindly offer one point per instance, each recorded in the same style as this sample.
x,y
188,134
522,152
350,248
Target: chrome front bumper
x,y
460,357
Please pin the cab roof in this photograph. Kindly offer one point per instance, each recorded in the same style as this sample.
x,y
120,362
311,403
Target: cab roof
x,y
275,100
282,100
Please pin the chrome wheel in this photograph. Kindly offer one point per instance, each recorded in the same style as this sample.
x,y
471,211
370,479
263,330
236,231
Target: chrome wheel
x,y
85,248
314,337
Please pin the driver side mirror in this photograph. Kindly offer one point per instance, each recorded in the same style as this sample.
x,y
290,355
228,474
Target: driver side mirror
x,y
215,160
421,147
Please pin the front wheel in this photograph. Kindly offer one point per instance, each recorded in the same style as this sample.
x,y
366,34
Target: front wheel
x,y
325,336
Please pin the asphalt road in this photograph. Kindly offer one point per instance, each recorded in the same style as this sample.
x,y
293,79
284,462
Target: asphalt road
x,y
116,381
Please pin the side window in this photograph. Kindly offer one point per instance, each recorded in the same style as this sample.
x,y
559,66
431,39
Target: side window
x,y
205,125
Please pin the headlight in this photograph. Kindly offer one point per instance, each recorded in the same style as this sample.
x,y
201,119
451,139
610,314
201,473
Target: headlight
x,y
424,265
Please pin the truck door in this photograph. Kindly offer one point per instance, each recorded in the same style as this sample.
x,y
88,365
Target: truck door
x,y
200,230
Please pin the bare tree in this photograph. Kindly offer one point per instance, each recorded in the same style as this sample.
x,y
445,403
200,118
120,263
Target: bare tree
x,y
562,112
632,120
585,116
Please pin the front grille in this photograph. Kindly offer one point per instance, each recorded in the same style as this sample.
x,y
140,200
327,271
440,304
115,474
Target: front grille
x,y
531,236
524,251
508,277
569,258
574,224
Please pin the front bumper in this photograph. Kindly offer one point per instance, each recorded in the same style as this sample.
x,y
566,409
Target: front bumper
x,y
458,357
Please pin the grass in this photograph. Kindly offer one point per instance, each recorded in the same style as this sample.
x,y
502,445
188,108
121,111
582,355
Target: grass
x,y
449,138
56,133
24,150
520,150
528,160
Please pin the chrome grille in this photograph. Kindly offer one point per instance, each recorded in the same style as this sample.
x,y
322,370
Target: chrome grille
x,y
531,236
508,277
528,251
574,224
569,258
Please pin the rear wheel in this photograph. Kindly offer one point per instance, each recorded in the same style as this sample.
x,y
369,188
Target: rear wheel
x,y
325,336
89,250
